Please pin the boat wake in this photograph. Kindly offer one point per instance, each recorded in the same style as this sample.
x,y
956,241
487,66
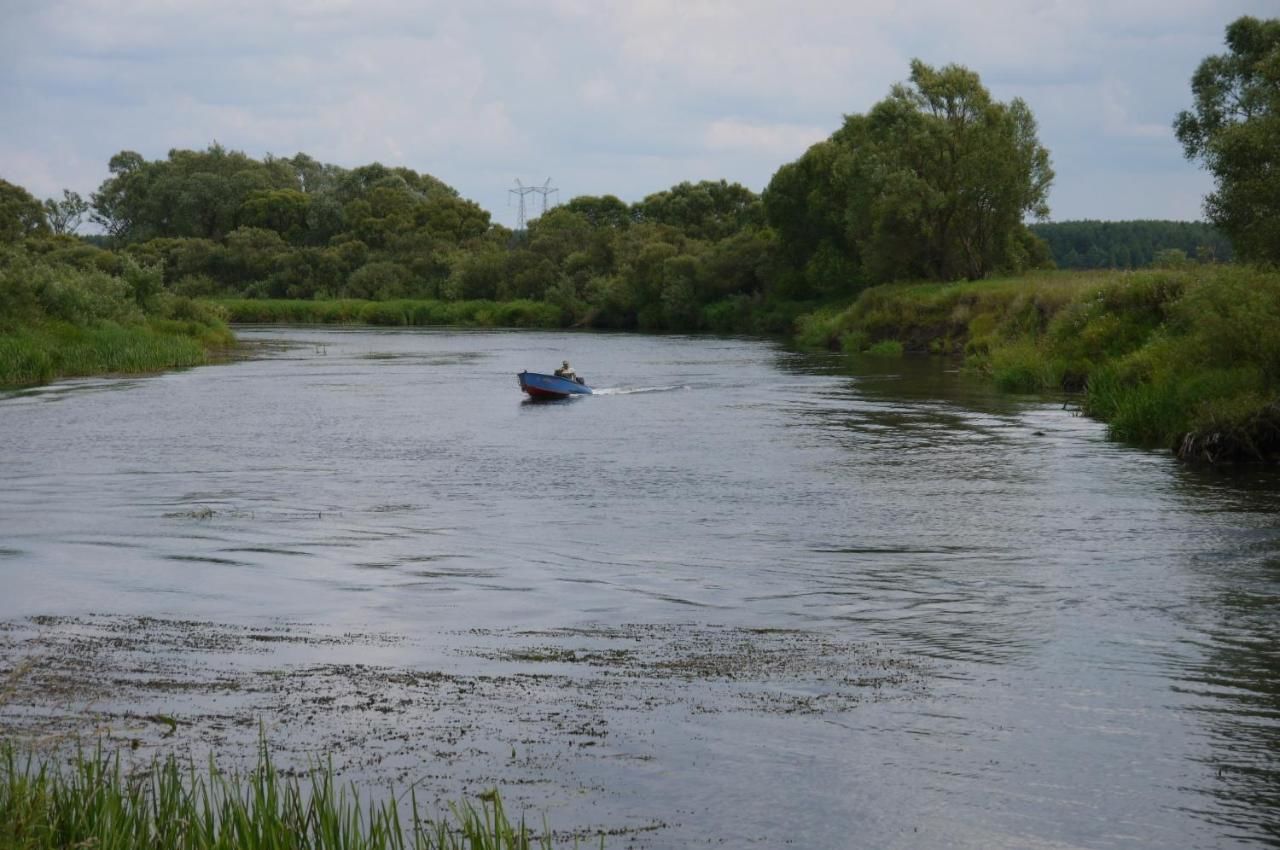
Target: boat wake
x,y
634,390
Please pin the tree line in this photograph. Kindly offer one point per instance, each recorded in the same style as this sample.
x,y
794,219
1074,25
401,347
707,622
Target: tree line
x,y
1131,244
935,182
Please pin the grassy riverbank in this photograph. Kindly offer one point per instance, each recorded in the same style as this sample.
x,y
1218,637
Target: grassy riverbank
x,y
38,354
61,321
739,314
1187,358
94,801
405,312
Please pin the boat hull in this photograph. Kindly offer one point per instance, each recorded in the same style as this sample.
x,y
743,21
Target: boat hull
x,y
550,387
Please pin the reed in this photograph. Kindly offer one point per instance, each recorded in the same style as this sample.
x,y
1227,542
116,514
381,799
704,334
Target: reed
x,y
92,800
401,313
39,353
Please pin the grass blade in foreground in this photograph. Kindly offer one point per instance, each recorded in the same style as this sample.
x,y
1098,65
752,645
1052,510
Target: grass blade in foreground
x,y
92,802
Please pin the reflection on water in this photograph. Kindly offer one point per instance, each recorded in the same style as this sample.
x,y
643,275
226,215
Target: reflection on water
x,y
1076,639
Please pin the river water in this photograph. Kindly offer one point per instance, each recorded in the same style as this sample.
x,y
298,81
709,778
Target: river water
x,y
742,595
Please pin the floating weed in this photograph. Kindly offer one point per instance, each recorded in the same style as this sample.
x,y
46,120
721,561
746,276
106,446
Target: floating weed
x,y
196,513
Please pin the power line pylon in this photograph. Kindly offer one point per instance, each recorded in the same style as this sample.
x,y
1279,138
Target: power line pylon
x,y
521,191
545,190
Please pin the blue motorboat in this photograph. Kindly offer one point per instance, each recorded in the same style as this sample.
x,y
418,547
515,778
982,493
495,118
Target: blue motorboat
x,y
540,386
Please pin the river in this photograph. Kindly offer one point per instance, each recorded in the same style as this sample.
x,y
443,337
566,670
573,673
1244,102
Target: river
x,y
741,595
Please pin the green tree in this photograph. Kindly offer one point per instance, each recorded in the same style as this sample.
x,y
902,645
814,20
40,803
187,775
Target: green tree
x,y
933,182
449,217
379,281
1130,244
191,193
953,174
1234,130
118,201
476,275
710,209
145,283
252,253
808,209
21,215
66,215
601,211
282,210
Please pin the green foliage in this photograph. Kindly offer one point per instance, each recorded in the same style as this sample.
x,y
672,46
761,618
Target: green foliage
x,y
470,313
603,211
21,215
63,320
807,209
708,210
1186,357
380,281
52,350
933,183
697,256
888,348
283,210
1130,244
65,216
98,801
1234,130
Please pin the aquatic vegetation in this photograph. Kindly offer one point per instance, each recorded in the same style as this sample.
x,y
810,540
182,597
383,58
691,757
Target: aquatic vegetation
x,y
886,348
96,800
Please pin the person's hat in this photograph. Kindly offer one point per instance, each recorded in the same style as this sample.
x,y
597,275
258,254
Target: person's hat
x,y
566,363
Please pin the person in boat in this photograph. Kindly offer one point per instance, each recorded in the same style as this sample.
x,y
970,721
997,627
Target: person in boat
x,y
566,371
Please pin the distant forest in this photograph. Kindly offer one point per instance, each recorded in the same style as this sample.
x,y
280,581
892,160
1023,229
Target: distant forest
x,y
1130,244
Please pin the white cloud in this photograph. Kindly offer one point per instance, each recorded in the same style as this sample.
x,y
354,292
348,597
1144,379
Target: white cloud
x,y
782,141
607,97
1120,118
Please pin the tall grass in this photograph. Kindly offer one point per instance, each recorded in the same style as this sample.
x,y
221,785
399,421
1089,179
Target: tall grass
x,y
63,321
509,314
93,802
40,353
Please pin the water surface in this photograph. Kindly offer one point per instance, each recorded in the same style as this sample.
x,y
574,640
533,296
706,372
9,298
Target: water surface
x,y
741,593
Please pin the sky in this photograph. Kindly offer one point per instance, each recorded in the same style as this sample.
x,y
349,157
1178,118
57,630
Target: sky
x,y
600,97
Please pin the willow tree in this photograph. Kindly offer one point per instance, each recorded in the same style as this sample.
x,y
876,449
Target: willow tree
x,y
1234,130
935,181
21,215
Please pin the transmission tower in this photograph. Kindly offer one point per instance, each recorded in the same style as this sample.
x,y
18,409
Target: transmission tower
x,y
522,191
544,190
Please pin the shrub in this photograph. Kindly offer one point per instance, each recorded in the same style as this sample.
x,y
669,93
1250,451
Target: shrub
x,y
886,348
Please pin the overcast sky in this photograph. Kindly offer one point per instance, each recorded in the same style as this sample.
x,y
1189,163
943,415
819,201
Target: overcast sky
x,y
603,97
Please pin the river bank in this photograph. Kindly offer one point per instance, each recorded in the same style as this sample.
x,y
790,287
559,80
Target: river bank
x,y
62,321
1184,358
397,313
42,353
